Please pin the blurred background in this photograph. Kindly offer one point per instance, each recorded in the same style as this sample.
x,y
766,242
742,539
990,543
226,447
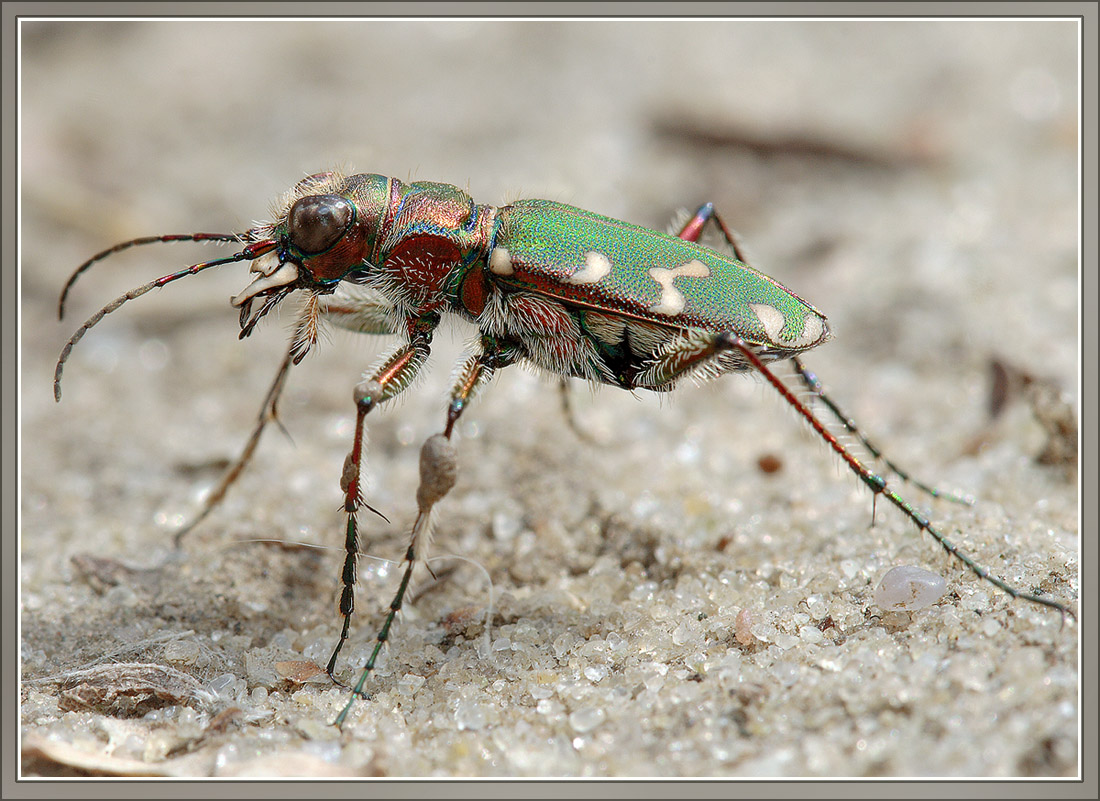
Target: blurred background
x,y
915,180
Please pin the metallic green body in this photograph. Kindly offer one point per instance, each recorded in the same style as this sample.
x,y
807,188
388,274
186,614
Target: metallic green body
x,y
573,293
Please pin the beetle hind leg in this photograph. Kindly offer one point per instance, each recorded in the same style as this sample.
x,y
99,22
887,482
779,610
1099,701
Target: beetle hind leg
x,y
691,230
693,227
813,385
874,482
699,355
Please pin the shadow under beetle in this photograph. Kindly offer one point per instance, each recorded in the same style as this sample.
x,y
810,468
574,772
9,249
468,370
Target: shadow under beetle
x,y
571,292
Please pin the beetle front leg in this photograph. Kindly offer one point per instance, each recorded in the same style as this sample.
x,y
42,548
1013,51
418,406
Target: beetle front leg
x,y
354,309
393,376
267,415
359,309
305,334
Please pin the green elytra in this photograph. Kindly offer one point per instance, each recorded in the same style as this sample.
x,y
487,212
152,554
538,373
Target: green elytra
x,y
572,292
551,240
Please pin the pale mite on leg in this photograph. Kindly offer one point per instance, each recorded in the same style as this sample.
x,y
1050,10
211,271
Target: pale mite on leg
x,y
438,470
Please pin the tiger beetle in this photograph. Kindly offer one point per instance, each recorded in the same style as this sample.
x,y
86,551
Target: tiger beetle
x,y
571,292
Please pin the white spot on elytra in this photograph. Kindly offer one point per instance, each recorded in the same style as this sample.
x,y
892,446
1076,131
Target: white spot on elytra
x,y
596,267
812,329
773,321
771,318
500,261
672,300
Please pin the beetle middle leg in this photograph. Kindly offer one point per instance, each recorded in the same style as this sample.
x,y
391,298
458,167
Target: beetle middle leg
x,y
438,471
570,415
395,373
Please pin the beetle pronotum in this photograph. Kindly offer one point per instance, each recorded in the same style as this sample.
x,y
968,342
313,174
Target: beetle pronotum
x,y
574,293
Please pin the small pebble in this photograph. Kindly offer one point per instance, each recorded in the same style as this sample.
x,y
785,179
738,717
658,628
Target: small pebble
x,y
742,628
908,588
769,463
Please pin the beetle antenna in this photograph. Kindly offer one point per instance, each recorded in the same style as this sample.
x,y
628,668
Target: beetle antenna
x,y
141,240
252,251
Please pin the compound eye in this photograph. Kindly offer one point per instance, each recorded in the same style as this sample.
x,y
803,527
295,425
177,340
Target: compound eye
x,y
316,223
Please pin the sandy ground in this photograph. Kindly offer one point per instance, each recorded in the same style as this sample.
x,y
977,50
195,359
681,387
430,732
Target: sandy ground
x,y
662,606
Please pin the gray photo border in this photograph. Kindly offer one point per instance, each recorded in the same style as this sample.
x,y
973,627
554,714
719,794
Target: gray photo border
x,y
13,787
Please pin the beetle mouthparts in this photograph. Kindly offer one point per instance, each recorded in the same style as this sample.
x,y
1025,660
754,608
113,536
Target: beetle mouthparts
x,y
287,273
